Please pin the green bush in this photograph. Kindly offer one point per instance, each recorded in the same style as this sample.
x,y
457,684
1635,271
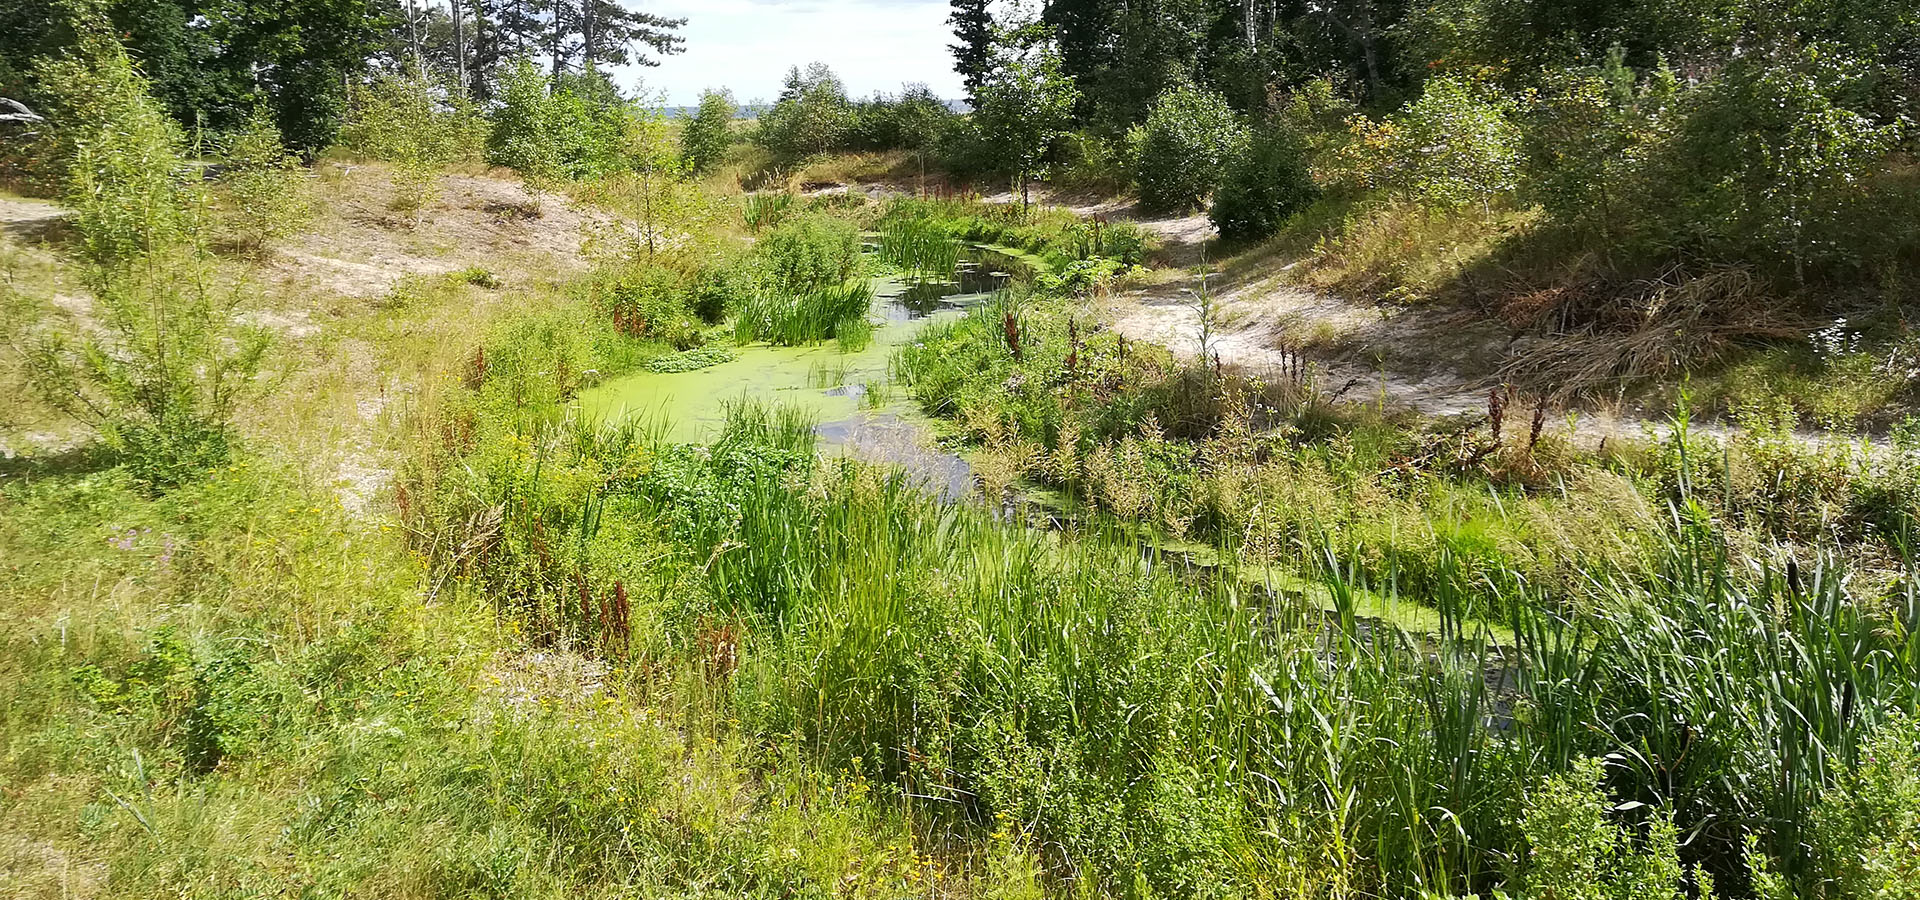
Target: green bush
x,y
1586,136
1454,146
646,300
709,133
265,185
914,120
719,290
161,377
1264,185
812,116
1574,853
1189,136
1090,161
418,126
809,253
576,129
1866,833
1778,161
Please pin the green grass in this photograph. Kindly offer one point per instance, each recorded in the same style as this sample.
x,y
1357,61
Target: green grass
x,y
919,248
1194,735
807,317
1284,648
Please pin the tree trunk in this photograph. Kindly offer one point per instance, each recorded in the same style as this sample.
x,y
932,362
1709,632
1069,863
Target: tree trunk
x,y
586,34
413,36
557,38
459,42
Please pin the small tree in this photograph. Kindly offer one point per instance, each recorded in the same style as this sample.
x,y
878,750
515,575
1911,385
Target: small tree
x,y
812,116
267,195
1457,145
1775,162
1189,136
1265,184
417,126
1026,102
709,132
522,137
162,375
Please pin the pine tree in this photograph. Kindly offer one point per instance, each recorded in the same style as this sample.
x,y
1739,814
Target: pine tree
x,y
972,24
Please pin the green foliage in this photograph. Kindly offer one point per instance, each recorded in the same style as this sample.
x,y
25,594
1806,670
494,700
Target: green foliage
x,y
913,120
266,188
213,65
1186,144
1057,237
1866,833
1265,184
1775,163
809,253
806,315
919,247
1454,146
161,378
1090,161
1586,140
691,360
1025,102
120,156
575,130
765,209
652,300
416,126
811,117
709,133
1574,853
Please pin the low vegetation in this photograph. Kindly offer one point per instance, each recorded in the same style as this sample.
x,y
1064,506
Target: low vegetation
x,y
1200,634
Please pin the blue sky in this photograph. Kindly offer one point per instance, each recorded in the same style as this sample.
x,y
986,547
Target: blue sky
x,y
747,45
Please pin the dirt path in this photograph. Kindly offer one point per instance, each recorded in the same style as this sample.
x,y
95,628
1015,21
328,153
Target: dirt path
x,y
1431,361
29,221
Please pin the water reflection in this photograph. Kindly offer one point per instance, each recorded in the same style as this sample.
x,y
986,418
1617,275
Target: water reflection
x,y
981,271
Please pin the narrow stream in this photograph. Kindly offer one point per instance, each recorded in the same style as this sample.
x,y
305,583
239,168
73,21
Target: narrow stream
x,y
848,394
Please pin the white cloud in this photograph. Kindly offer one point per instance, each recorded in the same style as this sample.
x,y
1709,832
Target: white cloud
x,y
747,46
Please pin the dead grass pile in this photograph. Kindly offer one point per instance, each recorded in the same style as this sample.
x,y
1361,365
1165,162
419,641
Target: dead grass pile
x,y
1603,340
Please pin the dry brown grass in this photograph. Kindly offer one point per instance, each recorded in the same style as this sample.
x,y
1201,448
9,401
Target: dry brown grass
x,y
1651,330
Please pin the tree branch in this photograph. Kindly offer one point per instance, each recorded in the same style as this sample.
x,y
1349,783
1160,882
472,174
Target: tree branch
x,y
15,111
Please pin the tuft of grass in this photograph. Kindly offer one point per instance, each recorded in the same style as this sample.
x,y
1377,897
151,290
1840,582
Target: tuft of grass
x,y
807,317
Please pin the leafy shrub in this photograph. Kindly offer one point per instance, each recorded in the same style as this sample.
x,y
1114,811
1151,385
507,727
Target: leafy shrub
x,y
265,185
118,154
576,129
1090,161
649,301
719,290
1189,136
1454,146
809,253
914,120
162,375
1264,185
1574,853
708,134
812,116
418,126
1776,163
1586,136
1867,830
